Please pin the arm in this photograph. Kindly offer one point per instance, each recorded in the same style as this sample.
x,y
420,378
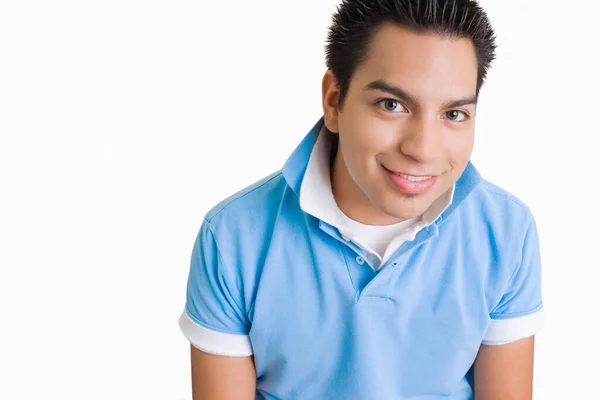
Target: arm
x,y
504,372
215,320
222,378
503,368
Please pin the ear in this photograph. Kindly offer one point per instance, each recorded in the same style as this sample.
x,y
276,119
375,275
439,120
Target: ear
x,y
331,97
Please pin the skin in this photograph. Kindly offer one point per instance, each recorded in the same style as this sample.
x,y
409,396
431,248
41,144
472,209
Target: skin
x,y
505,372
222,378
425,128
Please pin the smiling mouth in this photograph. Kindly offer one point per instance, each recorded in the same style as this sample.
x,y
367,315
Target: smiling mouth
x,y
411,184
412,178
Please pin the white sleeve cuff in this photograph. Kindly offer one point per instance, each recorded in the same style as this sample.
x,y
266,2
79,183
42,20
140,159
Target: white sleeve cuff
x,y
496,343
217,343
503,331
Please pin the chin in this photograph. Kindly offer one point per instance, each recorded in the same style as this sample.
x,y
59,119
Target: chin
x,y
403,208
408,214
403,213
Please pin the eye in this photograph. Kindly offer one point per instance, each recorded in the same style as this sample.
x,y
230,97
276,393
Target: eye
x,y
457,116
391,105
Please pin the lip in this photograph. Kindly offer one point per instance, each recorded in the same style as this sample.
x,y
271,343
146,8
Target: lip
x,y
407,186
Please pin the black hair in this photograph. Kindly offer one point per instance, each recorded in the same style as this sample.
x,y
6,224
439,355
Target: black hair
x,y
355,22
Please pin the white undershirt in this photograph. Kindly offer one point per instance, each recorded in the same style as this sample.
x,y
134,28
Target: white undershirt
x,y
375,238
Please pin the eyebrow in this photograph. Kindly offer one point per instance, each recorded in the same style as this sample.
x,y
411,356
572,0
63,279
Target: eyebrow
x,y
402,94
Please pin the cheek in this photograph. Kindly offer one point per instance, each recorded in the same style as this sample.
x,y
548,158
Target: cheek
x,y
368,137
460,147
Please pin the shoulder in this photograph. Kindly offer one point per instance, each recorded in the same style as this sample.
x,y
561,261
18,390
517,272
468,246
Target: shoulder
x,y
242,224
248,207
250,196
494,225
499,210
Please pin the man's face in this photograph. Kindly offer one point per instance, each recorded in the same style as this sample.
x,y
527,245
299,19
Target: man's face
x,y
406,128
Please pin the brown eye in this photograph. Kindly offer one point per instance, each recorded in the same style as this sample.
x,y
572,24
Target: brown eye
x,y
456,115
391,105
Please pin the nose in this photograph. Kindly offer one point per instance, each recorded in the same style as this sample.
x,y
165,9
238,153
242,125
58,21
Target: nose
x,y
421,139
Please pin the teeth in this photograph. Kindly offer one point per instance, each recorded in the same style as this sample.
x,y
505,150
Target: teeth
x,y
415,178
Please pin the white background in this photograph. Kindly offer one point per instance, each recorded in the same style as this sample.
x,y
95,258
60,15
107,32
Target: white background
x,y
123,122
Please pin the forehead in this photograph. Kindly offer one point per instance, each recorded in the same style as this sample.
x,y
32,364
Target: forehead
x,y
428,65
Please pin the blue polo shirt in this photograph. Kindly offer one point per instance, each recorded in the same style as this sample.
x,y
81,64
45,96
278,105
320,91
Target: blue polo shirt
x,y
268,278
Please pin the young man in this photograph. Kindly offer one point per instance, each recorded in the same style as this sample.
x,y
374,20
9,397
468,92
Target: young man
x,y
377,264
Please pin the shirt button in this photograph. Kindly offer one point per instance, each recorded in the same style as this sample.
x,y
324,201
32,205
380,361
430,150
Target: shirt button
x,y
372,258
360,260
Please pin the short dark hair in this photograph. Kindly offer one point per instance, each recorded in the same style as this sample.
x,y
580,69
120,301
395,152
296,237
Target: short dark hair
x,y
355,22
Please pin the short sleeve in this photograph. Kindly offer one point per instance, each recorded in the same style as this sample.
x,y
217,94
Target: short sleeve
x,y
520,312
213,320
